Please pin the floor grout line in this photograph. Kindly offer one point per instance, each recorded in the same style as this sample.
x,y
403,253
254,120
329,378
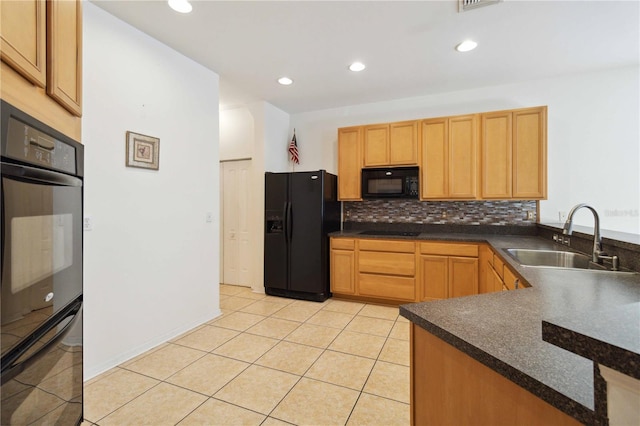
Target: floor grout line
x,y
225,313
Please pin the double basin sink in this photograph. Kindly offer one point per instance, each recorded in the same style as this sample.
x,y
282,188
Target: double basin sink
x,y
556,259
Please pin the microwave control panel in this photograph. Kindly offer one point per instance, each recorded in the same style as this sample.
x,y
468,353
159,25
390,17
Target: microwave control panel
x,y
412,185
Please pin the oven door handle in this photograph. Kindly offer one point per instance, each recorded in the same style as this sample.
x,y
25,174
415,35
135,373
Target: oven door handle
x,y
38,175
10,366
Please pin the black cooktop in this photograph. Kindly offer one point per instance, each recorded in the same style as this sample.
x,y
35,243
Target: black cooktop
x,y
394,233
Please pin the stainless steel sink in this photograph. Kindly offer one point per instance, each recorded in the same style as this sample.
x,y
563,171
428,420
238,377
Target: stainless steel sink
x,y
551,258
558,259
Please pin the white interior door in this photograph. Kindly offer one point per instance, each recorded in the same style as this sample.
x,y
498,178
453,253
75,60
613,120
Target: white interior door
x,y
236,241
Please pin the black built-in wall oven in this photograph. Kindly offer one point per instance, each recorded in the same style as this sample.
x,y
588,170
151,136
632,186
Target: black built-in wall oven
x,y
41,287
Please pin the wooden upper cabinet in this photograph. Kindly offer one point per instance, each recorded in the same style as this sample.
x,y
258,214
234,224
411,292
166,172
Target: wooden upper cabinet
x,y
376,145
496,154
514,154
64,54
394,144
403,143
463,146
41,69
530,153
435,153
449,157
23,38
349,163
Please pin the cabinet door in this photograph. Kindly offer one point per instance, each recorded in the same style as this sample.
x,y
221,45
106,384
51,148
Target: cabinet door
x,y
463,276
64,54
23,38
496,165
349,163
510,279
485,281
463,142
376,145
530,153
498,284
403,143
435,153
434,277
343,271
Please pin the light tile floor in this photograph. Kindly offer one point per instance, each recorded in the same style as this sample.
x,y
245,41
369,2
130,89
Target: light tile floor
x,y
266,361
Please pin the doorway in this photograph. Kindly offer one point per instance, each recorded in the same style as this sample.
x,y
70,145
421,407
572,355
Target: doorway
x,y
236,236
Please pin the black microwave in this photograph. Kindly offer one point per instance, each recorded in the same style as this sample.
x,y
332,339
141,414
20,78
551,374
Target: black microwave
x,y
390,182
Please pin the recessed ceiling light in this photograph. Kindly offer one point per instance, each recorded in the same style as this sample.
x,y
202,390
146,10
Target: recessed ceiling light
x,y
466,46
285,81
357,66
182,6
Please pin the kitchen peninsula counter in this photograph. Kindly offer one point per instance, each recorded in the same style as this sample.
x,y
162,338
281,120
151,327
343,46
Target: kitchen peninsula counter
x,y
504,330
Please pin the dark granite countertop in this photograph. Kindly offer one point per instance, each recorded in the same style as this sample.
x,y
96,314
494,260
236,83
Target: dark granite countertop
x,y
505,330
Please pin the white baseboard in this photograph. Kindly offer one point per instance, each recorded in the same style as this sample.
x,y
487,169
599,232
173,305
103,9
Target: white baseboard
x,y
93,371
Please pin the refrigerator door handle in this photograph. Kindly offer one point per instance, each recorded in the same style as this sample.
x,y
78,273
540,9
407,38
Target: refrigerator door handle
x,y
290,221
285,211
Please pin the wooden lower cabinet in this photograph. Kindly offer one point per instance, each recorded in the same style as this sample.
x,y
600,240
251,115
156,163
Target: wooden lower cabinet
x,y
448,387
495,275
343,263
511,281
443,277
434,277
387,287
387,269
397,271
447,270
373,269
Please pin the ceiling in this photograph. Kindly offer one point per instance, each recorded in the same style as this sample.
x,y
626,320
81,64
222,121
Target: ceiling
x,y
408,47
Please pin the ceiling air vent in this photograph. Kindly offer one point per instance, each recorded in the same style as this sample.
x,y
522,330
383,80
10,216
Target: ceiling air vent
x,y
464,5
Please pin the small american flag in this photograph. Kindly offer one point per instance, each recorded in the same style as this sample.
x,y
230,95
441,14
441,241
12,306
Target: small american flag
x,y
293,149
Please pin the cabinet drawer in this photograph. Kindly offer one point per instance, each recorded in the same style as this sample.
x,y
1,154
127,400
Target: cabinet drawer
x,y
387,263
387,287
343,243
449,249
387,245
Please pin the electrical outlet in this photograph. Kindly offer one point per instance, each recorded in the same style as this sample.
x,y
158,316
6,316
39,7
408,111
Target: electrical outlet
x,y
87,223
529,215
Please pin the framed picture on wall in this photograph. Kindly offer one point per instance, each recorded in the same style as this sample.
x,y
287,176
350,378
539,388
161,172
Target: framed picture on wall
x,y
142,151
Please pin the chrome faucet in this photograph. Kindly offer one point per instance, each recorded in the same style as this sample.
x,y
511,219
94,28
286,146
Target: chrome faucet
x,y
598,254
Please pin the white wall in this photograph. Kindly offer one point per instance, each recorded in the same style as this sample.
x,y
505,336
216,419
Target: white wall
x,y
151,260
236,134
593,137
276,139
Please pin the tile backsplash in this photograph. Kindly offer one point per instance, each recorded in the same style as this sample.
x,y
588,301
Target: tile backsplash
x,y
441,212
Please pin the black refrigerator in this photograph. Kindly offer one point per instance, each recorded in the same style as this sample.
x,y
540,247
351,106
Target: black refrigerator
x,y
301,209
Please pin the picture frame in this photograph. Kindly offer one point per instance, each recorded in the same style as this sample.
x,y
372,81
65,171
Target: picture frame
x,y
142,151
